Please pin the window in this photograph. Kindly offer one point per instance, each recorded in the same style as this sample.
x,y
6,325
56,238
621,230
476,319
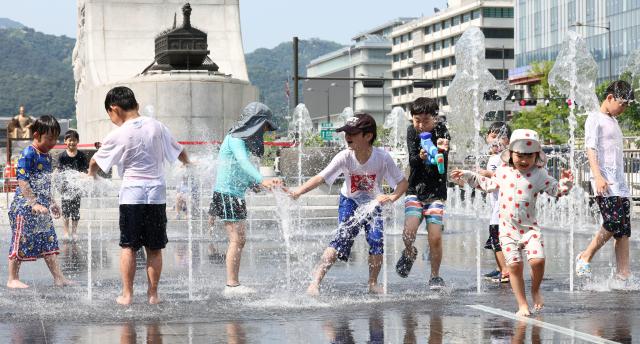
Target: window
x,y
403,73
409,36
453,60
402,39
427,48
497,33
437,46
445,62
427,30
436,27
410,89
396,58
403,55
446,24
403,90
446,43
410,54
395,75
427,67
455,21
396,40
475,14
466,17
497,12
499,74
396,92
497,54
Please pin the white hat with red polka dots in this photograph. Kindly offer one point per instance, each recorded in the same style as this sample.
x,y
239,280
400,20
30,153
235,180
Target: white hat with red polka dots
x,y
525,141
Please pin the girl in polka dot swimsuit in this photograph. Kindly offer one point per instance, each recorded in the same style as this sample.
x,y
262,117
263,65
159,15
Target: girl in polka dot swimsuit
x,y
520,179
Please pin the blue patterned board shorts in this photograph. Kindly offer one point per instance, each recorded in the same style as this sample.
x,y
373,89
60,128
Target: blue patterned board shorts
x,y
33,236
349,228
432,212
616,215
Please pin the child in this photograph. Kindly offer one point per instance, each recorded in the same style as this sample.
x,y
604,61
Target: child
x,y
139,147
427,191
498,140
236,174
33,235
71,159
182,197
364,167
520,179
603,141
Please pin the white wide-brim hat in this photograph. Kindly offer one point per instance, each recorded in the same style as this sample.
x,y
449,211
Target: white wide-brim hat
x,y
525,141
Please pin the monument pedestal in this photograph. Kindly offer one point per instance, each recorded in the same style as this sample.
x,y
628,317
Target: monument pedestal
x,y
194,105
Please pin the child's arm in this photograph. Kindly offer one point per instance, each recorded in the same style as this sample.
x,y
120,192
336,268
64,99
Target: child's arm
x,y
239,150
475,180
561,188
309,185
93,168
183,157
601,183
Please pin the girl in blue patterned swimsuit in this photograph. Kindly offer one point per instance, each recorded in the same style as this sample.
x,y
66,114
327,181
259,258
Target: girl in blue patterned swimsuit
x,y
33,235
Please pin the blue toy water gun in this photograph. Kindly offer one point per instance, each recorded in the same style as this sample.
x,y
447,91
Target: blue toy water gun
x,y
433,157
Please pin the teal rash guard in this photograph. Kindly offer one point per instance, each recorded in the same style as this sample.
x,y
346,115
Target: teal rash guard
x,y
236,173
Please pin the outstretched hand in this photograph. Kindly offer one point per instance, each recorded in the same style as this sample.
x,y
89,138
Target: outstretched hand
x,y
384,199
271,183
443,144
456,174
602,185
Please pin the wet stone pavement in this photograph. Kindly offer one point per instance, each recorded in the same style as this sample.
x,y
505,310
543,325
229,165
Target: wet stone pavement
x,y
195,311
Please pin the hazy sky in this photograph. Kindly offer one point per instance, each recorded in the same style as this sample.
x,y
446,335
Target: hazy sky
x,y
264,23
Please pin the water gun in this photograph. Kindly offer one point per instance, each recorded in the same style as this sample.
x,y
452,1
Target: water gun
x,y
433,157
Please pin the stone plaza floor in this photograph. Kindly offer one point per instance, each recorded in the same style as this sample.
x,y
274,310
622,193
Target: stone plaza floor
x,y
195,311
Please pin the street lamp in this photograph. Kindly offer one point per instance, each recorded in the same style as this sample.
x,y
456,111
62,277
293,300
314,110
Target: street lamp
x,y
608,28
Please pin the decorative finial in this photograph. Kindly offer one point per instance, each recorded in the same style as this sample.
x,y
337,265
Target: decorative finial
x,y
174,19
186,11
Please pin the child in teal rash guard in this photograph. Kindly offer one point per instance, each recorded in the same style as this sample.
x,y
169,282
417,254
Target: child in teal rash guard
x,y
235,175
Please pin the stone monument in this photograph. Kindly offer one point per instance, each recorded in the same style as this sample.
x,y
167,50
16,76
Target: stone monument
x,y
117,40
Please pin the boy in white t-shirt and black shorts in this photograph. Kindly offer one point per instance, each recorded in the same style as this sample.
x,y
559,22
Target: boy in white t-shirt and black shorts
x,y
363,167
138,147
603,141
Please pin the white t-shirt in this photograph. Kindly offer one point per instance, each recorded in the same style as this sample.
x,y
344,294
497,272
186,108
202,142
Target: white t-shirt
x,y
362,181
603,134
492,165
139,148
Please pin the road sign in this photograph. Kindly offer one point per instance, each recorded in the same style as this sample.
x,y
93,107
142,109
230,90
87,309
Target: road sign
x,y
327,134
326,125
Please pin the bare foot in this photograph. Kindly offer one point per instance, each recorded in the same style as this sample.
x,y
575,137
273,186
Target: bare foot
x,y
313,290
375,289
16,284
154,300
124,300
64,283
538,301
523,311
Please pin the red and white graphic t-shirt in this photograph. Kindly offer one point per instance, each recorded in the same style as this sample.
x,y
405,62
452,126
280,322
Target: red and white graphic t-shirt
x,y
363,182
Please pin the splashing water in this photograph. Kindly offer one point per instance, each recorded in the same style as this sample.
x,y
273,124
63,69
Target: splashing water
x,y
303,127
633,68
466,97
466,92
574,75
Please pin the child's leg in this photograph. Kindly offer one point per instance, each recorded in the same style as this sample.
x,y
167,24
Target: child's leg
x,y
601,238
375,264
537,273
517,285
237,239
65,226
411,225
622,256
435,247
502,265
127,273
154,269
56,272
328,258
14,278
74,229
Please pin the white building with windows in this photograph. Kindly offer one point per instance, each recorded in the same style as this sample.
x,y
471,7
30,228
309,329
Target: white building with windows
x,y
425,48
367,57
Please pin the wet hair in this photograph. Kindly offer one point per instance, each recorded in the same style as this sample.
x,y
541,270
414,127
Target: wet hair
x,y
424,105
121,97
72,134
46,125
373,129
500,129
620,89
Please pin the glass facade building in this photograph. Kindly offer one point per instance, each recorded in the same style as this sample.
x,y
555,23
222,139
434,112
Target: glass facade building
x,y
541,26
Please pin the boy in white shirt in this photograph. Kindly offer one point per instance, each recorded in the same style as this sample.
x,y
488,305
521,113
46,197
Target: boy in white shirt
x,y
364,167
138,147
603,141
